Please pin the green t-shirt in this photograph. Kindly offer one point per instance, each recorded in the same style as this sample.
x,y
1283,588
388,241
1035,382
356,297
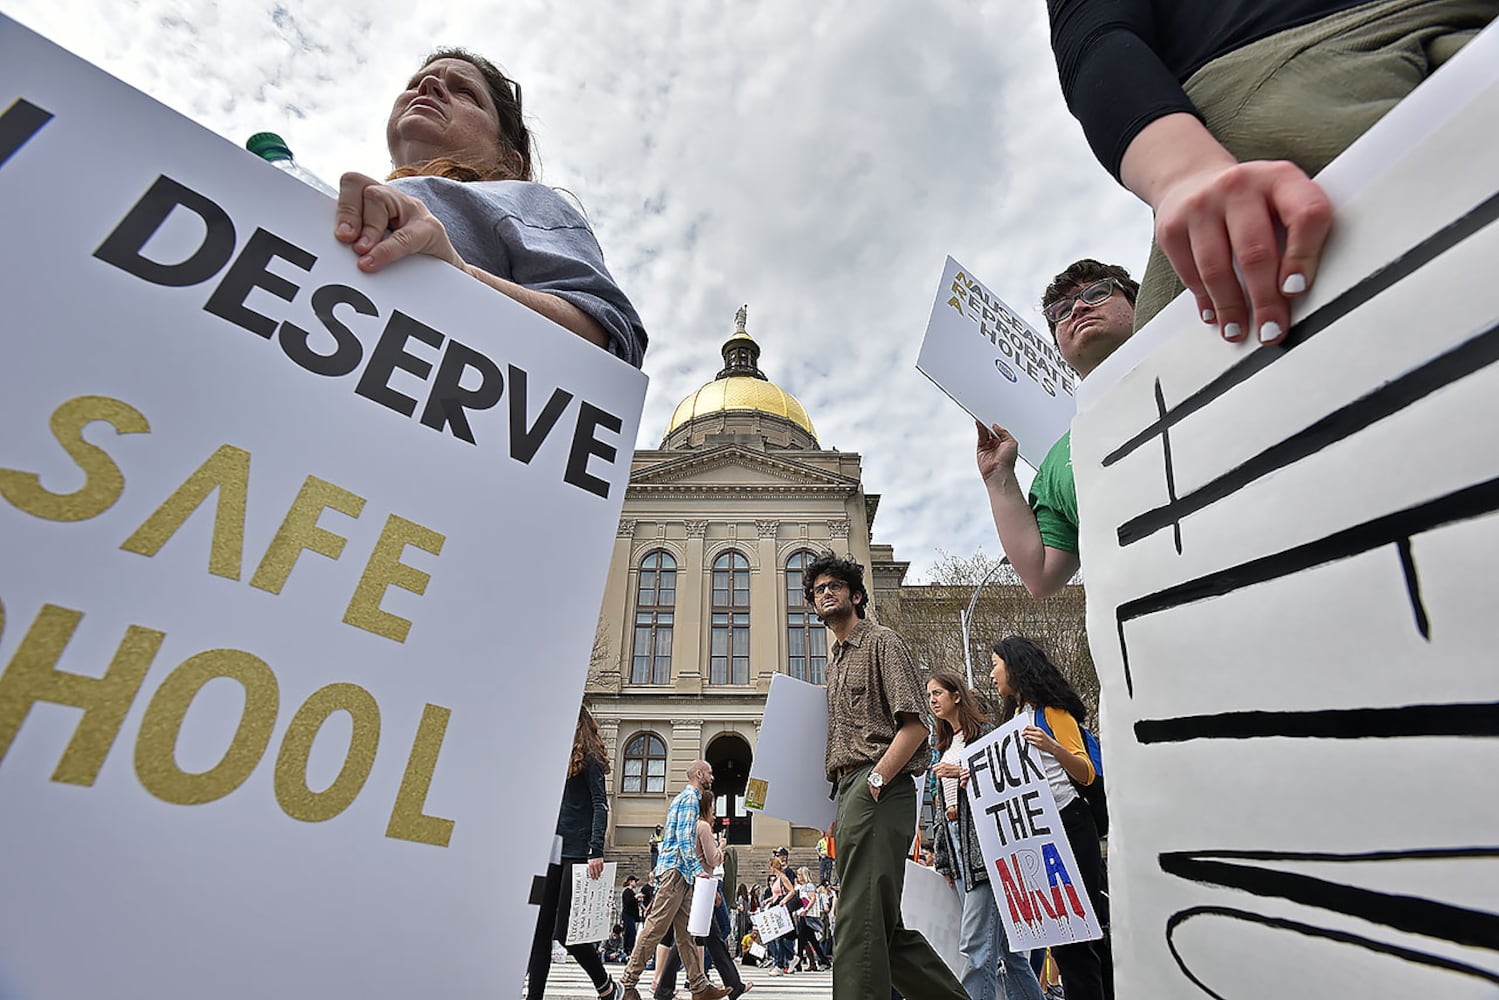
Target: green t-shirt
x,y
1054,497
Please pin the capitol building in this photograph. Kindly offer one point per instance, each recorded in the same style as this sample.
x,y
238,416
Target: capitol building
x,y
704,605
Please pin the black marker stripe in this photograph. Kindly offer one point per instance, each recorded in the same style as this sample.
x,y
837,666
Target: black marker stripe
x,y
1411,914
1307,930
18,124
1402,267
1460,505
1480,719
1413,588
1160,406
1472,355
1412,854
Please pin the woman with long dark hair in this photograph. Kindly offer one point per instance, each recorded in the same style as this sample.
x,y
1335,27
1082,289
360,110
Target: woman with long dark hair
x,y
580,826
462,191
981,935
1032,684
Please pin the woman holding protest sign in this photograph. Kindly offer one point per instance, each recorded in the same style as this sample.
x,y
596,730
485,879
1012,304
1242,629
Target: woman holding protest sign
x,y
781,892
580,827
981,935
462,192
1031,683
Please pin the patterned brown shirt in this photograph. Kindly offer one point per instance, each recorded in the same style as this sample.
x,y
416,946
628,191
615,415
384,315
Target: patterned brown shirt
x,y
870,679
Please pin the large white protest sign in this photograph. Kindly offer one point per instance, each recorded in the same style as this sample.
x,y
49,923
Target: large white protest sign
x,y
1037,885
932,907
1290,554
994,365
288,689
592,906
786,778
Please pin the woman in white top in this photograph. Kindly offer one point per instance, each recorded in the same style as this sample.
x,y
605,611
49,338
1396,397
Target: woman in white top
x,y
981,935
809,925
1031,684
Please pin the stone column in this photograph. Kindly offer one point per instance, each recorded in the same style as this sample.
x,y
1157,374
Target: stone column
x,y
609,732
686,747
609,676
767,636
688,650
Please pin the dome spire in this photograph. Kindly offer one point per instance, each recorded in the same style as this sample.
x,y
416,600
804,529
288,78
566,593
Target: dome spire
x,y
741,355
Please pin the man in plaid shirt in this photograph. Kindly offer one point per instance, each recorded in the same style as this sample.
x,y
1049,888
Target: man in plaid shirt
x,y
675,870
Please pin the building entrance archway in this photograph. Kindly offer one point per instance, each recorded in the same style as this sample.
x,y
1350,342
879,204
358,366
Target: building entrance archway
x,y
730,756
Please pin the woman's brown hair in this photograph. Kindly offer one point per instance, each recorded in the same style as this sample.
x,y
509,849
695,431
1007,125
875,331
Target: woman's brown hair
x,y
971,718
587,744
514,136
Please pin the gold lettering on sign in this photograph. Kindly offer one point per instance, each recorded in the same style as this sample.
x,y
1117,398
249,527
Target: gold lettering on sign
x,y
407,821
32,676
300,531
156,746
385,569
103,482
296,799
227,470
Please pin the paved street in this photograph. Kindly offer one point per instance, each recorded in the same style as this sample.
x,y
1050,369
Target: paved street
x,y
567,982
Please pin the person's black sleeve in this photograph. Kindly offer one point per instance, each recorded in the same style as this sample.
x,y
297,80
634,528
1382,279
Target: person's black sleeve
x,y
1113,79
600,809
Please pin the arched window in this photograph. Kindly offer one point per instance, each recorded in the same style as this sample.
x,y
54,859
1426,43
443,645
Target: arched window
x,y
728,661
645,764
806,636
655,599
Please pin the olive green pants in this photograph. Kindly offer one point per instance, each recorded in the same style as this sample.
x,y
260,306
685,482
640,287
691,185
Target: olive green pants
x,y
1304,94
872,950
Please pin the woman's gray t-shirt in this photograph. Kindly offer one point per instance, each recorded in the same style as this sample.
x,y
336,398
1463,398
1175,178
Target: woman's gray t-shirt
x,y
527,233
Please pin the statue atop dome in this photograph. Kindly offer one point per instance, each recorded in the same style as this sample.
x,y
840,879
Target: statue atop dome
x,y
740,318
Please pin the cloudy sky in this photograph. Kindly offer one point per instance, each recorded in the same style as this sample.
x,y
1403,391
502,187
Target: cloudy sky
x,y
816,161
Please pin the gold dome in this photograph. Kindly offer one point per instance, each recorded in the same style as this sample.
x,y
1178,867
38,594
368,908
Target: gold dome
x,y
741,393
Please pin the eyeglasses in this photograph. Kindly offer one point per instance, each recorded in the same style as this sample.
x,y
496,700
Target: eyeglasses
x,y
832,586
1094,294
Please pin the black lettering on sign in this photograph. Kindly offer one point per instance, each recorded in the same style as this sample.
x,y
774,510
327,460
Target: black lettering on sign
x,y
123,246
526,441
18,124
296,342
249,272
449,398
585,446
390,354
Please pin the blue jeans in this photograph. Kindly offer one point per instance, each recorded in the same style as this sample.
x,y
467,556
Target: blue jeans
x,y
982,940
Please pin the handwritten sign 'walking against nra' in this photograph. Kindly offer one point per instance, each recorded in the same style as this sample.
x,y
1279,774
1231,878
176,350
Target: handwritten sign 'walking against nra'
x,y
282,542
1037,886
981,353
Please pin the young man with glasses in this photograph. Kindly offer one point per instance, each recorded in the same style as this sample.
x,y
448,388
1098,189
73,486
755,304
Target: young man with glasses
x,y
876,746
1090,308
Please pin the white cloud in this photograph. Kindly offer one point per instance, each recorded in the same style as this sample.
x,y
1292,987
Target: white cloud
x,y
816,162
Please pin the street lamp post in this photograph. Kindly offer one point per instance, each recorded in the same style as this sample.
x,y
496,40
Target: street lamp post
x,y
966,617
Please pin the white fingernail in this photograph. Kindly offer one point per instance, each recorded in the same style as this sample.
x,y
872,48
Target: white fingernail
x,y
1208,315
1294,285
1232,331
1269,331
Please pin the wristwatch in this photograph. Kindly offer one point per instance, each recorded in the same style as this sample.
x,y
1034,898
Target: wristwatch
x,y
876,779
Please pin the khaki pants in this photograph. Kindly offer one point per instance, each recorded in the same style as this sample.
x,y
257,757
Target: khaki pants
x,y
670,908
1304,94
